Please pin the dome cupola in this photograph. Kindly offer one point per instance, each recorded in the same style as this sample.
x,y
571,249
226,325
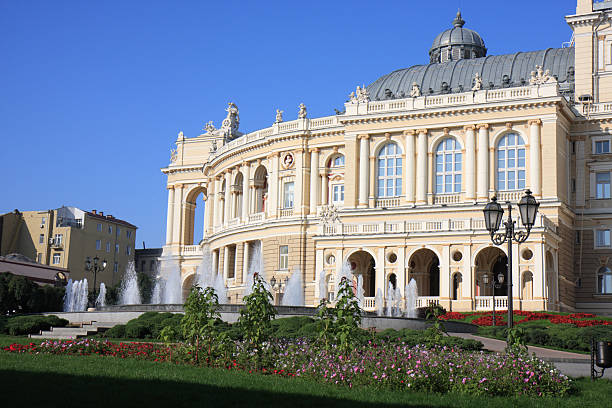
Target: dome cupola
x,y
457,43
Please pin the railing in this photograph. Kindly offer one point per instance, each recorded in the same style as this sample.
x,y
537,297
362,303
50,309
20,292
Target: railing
x,y
387,202
256,217
188,250
447,198
234,221
503,196
369,304
596,108
425,301
286,212
486,302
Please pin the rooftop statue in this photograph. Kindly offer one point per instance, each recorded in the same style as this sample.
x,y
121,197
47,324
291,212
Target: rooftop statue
x,y
361,95
210,128
539,77
302,113
279,116
232,120
477,82
415,92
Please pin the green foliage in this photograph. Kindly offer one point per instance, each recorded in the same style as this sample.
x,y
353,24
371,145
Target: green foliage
x,y
516,344
147,326
199,324
145,286
18,294
341,325
23,325
434,335
112,294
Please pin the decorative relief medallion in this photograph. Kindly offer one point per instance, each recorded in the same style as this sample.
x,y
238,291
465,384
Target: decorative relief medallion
x,y
288,161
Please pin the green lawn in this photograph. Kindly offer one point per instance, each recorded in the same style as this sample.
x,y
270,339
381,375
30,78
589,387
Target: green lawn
x,y
92,381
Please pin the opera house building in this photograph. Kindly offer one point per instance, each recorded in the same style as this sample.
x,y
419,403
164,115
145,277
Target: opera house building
x,y
395,185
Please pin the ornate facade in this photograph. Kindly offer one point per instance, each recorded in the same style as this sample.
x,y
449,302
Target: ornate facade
x,y
395,185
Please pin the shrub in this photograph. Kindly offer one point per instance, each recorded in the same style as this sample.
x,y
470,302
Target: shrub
x,y
19,294
23,325
117,332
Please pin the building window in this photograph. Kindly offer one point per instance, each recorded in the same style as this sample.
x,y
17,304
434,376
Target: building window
x,y
116,267
337,161
603,185
98,244
602,238
58,239
578,237
602,146
118,231
43,221
128,234
152,266
99,227
108,247
283,259
110,229
389,179
604,281
143,265
56,259
117,248
511,163
39,257
337,194
288,194
41,239
448,167
128,250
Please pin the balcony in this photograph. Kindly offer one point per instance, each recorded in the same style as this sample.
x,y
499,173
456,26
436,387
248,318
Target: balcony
x,y
191,250
485,303
257,217
387,202
286,212
445,199
369,303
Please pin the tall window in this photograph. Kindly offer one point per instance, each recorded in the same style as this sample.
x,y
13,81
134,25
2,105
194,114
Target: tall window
x,y
117,248
602,146
116,267
110,229
288,194
448,167
283,257
41,239
43,221
56,259
602,238
118,231
337,194
604,281
389,179
98,244
39,257
108,247
603,185
128,234
511,163
99,227
58,238
128,250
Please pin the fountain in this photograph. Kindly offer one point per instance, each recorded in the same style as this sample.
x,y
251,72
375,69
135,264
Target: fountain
x,y
256,265
294,291
167,289
129,294
220,289
345,272
411,298
205,274
75,298
360,291
379,302
101,300
390,300
322,286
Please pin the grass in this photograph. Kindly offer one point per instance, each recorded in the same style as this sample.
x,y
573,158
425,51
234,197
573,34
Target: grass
x,y
95,381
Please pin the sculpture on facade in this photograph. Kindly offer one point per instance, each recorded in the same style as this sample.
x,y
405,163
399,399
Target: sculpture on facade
x,y
302,113
279,116
232,120
173,156
540,77
361,95
329,215
415,92
477,82
210,128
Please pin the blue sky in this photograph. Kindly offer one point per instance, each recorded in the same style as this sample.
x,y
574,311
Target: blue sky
x,y
94,93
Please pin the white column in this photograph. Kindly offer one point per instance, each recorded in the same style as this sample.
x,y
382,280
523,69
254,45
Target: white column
x,y
217,202
410,166
273,186
421,171
364,174
470,162
445,273
483,162
215,262
298,197
178,214
246,184
324,187
314,180
535,163
225,263
227,214
319,266
207,214
170,216
245,261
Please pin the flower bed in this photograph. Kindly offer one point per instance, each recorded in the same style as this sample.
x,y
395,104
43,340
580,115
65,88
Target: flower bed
x,y
485,319
388,365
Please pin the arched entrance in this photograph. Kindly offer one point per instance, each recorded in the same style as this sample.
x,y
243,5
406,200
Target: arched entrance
x,y
491,261
260,184
363,263
187,284
424,267
193,221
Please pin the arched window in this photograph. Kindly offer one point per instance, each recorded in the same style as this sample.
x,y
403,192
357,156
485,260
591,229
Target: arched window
x,y
336,180
511,162
448,167
389,180
604,281
337,161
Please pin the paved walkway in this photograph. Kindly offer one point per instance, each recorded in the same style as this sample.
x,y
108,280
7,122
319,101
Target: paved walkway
x,y
570,364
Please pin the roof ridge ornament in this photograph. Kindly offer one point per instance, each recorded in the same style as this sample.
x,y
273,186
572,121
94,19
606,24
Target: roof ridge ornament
x,y
458,21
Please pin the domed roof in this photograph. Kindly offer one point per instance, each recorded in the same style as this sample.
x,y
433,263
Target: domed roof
x,y
458,37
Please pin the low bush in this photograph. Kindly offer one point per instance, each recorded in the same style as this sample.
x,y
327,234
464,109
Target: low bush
x,y
24,325
147,326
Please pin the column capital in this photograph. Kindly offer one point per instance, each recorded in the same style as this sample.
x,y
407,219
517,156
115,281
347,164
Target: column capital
x,y
363,136
469,127
314,150
509,125
170,187
372,158
537,122
482,126
410,132
228,172
245,164
422,131
323,173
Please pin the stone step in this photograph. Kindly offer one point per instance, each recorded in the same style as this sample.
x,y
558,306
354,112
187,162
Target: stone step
x,y
82,329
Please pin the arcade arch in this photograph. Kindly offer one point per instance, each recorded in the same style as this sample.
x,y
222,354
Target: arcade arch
x,y
492,261
424,267
363,263
194,216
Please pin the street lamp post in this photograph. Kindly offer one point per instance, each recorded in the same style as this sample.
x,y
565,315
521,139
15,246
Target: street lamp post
x,y
493,214
278,286
500,279
95,267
